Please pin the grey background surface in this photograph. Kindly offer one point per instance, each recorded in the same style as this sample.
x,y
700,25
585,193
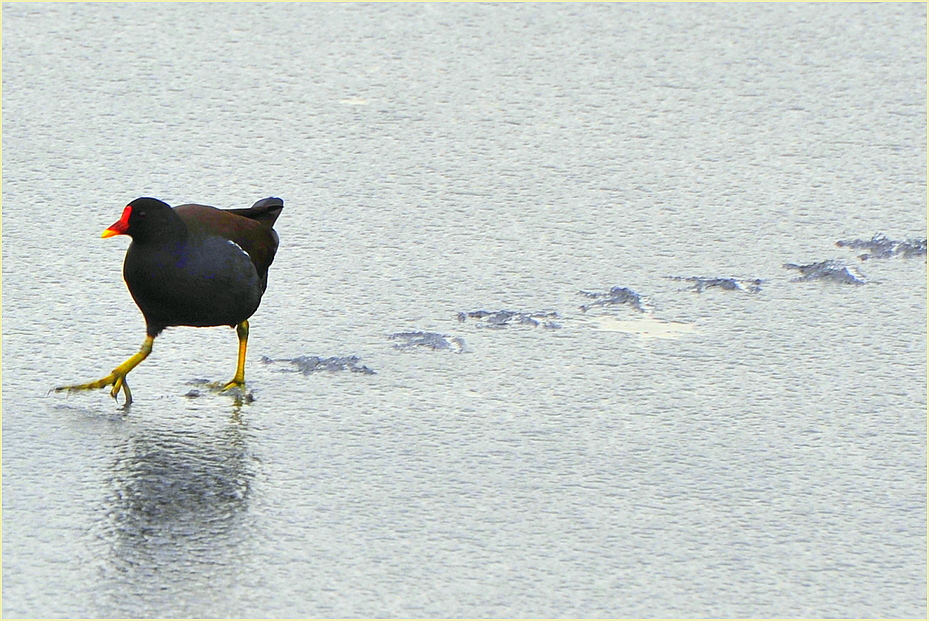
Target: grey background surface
x,y
768,461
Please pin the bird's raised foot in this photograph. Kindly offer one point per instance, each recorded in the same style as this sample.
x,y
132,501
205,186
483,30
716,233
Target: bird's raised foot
x,y
114,379
117,378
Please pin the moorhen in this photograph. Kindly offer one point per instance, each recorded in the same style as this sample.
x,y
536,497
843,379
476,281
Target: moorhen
x,y
193,266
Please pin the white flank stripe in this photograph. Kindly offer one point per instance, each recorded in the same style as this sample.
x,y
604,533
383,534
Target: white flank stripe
x,y
240,248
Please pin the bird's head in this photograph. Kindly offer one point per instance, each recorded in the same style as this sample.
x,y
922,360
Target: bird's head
x,y
140,218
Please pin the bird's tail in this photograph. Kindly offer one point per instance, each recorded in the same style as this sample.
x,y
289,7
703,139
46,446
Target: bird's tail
x,y
265,211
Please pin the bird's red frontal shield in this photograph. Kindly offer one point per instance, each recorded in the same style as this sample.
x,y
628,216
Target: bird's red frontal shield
x,y
119,228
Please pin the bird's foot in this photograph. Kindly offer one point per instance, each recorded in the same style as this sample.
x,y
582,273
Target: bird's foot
x,y
234,388
234,383
116,379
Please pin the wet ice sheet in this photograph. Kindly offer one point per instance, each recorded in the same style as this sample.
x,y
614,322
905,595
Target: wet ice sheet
x,y
450,157
647,328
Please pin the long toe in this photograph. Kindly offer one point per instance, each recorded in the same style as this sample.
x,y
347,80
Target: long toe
x,y
100,383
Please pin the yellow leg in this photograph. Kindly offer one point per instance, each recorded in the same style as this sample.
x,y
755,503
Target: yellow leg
x,y
118,377
238,380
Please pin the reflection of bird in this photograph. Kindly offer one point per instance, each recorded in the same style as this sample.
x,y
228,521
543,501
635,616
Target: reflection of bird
x,y
193,266
174,523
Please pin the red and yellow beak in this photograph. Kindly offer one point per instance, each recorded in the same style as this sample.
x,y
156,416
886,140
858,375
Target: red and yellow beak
x,y
121,227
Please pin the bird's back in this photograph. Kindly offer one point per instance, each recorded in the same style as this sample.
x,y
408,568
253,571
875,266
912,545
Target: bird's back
x,y
251,229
